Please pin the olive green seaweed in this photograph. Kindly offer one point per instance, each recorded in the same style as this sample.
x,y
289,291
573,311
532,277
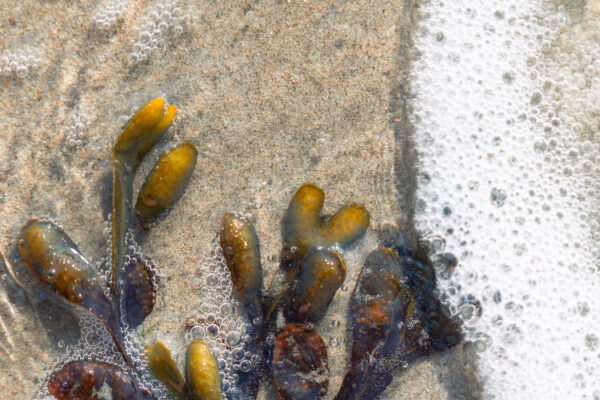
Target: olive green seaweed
x,y
201,372
394,315
54,259
165,183
242,254
139,135
163,368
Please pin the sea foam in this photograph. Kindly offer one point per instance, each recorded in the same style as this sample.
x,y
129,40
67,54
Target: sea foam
x,y
505,115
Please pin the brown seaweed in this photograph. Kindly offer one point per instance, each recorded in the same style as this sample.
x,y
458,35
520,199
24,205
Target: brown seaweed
x,y
304,229
299,364
377,306
321,275
140,290
78,380
314,271
395,319
165,183
202,377
442,331
139,135
242,253
53,258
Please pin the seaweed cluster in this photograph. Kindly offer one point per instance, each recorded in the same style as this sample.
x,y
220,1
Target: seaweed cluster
x,y
394,315
53,258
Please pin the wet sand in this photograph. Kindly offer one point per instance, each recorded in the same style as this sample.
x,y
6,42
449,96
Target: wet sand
x,y
273,94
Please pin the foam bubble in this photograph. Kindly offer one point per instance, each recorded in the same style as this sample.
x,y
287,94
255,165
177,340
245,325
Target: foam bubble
x,y
76,127
505,108
220,321
20,62
164,23
109,14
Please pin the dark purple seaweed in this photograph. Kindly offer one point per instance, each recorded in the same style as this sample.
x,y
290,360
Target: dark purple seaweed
x,y
78,380
299,364
140,290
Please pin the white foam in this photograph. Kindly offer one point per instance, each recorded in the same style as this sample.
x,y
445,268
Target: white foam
x,y
220,324
164,24
20,62
109,13
505,107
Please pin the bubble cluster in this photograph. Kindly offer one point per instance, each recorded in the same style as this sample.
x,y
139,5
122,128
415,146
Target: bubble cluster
x,y
220,324
108,14
77,124
20,63
164,22
95,343
505,108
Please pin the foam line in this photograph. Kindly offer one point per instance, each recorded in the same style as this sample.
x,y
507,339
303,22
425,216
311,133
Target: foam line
x,y
509,178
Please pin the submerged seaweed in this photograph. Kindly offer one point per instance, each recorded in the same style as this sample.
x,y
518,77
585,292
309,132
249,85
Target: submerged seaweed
x,y
299,364
395,317
54,259
79,380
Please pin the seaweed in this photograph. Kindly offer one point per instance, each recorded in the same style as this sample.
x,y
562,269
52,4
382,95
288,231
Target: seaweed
x,y
394,315
54,259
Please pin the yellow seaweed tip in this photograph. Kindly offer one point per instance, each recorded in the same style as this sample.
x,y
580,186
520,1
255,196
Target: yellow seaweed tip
x,y
166,181
201,372
304,228
152,119
163,367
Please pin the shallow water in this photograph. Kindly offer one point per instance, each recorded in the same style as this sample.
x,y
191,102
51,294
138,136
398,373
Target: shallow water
x,y
475,122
